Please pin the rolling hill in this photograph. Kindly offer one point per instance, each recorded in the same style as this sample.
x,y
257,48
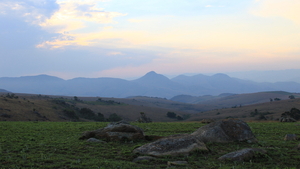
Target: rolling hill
x,y
151,85
29,107
271,110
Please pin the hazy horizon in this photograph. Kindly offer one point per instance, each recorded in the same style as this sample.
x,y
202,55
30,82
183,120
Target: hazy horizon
x,y
271,76
127,39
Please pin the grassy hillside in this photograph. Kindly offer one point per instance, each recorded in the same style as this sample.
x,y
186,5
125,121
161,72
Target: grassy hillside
x,y
272,110
23,107
51,145
27,107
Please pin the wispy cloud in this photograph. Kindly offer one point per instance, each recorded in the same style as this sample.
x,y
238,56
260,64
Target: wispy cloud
x,y
73,17
115,53
135,20
288,9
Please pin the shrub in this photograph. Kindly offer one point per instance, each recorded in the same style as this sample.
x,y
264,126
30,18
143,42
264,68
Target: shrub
x,y
114,118
71,114
99,117
87,113
171,115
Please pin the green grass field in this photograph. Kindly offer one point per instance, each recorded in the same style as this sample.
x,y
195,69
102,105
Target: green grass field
x,y
56,145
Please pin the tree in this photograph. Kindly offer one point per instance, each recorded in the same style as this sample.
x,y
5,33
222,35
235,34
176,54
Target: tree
x,y
100,117
171,115
292,97
179,118
114,118
71,114
87,113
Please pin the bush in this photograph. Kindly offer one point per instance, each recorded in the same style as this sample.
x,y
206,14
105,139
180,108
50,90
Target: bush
x,y
293,113
87,113
100,117
114,118
179,118
71,114
171,115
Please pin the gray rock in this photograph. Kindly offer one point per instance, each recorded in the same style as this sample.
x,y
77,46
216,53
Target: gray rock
x,y
142,159
242,155
227,130
287,119
173,145
290,137
119,131
94,140
177,163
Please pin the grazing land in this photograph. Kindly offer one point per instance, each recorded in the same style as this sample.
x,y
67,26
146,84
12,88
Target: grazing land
x,y
30,107
56,145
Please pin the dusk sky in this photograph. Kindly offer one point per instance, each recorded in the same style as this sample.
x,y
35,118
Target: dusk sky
x,y
128,38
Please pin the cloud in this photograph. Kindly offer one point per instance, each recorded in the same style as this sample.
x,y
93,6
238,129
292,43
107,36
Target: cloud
x,y
19,20
288,9
79,19
114,53
208,6
135,20
32,11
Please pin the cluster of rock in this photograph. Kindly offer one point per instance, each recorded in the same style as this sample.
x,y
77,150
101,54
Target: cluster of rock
x,y
223,131
287,119
116,131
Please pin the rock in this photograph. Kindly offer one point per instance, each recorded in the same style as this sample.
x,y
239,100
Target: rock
x,y
289,137
181,144
177,163
287,119
142,159
152,137
119,131
94,140
242,155
144,118
207,121
228,130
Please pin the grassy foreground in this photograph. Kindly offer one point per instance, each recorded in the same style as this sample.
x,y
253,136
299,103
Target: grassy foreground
x,y
56,145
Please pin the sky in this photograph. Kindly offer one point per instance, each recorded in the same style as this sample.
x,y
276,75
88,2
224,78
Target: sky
x,y
127,39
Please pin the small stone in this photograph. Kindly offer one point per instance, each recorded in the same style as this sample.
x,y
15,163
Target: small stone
x,y
177,163
94,140
242,155
290,137
142,159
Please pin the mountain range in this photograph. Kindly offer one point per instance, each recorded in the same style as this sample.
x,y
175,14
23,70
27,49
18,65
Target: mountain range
x,y
151,84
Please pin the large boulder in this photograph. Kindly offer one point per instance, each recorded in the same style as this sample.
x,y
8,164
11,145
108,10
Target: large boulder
x,y
119,131
242,155
227,130
181,144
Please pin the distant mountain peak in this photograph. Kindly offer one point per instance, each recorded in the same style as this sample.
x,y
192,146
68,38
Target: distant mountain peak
x,y
151,73
220,75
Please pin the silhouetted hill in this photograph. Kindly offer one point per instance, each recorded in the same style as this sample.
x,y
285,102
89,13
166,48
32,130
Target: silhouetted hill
x,y
4,91
217,84
151,84
158,85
